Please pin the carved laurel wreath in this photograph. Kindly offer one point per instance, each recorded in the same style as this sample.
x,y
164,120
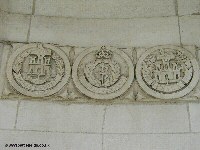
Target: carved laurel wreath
x,y
17,66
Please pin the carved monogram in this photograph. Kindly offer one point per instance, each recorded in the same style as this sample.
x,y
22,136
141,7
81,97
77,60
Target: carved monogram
x,y
167,72
38,70
103,73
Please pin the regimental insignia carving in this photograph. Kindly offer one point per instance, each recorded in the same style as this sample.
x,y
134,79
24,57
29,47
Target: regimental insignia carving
x,y
167,72
38,70
103,73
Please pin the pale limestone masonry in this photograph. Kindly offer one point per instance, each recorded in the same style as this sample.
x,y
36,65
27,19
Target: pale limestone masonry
x,y
16,6
106,34
14,24
111,32
188,26
105,9
8,108
186,7
37,70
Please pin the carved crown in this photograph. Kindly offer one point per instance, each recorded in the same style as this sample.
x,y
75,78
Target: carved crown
x,y
104,53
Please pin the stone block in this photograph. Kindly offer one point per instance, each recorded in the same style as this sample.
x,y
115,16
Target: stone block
x,y
105,9
146,119
190,29
14,27
112,32
152,141
1,52
53,141
19,6
188,7
58,117
194,110
159,77
8,110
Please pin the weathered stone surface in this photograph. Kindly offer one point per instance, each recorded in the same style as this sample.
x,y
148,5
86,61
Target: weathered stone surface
x,y
194,110
56,141
152,141
167,72
17,6
57,117
38,70
103,72
105,8
113,32
5,52
190,29
146,119
8,110
1,52
14,27
189,7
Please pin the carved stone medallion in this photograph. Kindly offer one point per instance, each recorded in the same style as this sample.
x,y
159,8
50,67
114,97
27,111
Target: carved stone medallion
x,y
167,72
103,73
38,70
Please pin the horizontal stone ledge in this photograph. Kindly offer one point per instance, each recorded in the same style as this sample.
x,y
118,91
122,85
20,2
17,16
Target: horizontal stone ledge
x,y
167,73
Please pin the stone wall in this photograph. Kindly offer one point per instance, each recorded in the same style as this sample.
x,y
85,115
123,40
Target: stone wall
x,y
122,75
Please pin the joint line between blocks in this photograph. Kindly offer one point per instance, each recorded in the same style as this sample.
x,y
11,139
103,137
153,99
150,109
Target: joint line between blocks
x,y
17,112
189,118
104,115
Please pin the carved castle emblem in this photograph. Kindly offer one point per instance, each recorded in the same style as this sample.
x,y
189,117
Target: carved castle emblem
x,y
103,73
38,70
167,72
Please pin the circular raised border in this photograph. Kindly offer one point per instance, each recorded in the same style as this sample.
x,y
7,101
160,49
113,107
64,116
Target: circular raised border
x,y
178,94
58,87
94,95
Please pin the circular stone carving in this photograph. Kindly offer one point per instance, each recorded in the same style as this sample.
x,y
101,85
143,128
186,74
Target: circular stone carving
x,y
38,70
103,73
167,72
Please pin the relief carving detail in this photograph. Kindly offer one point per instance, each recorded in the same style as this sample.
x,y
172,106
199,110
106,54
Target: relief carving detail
x,y
167,72
103,73
38,70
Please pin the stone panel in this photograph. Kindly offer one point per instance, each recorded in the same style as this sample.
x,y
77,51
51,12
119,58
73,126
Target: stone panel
x,y
17,6
103,72
1,52
38,70
113,32
58,117
167,72
188,7
190,29
8,110
194,110
56,141
152,142
14,27
105,9
146,119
